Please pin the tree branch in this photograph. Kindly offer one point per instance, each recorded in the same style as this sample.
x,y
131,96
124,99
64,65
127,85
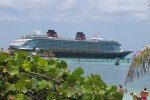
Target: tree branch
x,y
58,82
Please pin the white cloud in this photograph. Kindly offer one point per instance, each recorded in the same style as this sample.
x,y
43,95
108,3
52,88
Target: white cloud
x,y
7,16
139,16
77,10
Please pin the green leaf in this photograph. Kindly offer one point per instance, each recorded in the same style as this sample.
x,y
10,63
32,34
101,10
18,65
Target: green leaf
x,y
116,95
20,96
22,54
26,65
14,70
24,90
10,87
52,65
86,97
114,88
49,96
42,84
42,62
28,83
70,92
50,61
49,85
60,72
78,71
1,67
55,72
11,62
49,67
34,82
50,74
71,80
62,64
78,89
87,89
3,57
21,85
102,92
4,70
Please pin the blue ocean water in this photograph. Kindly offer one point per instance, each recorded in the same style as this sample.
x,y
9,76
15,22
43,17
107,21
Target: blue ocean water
x,y
112,75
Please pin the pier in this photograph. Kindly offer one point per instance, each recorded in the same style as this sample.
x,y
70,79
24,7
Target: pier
x,y
125,60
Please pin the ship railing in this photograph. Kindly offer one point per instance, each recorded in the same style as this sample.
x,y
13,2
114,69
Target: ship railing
x,y
74,50
62,38
87,40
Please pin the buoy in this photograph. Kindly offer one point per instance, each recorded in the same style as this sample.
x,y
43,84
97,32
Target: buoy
x,y
116,63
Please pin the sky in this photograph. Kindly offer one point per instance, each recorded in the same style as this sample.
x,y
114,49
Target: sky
x,y
127,21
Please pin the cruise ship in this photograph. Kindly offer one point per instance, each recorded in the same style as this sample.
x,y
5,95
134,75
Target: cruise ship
x,y
79,47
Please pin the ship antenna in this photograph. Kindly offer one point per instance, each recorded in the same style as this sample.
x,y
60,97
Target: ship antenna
x,y
95,35
34,31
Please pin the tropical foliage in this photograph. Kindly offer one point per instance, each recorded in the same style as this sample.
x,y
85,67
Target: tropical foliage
x,y
140,64
33,78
